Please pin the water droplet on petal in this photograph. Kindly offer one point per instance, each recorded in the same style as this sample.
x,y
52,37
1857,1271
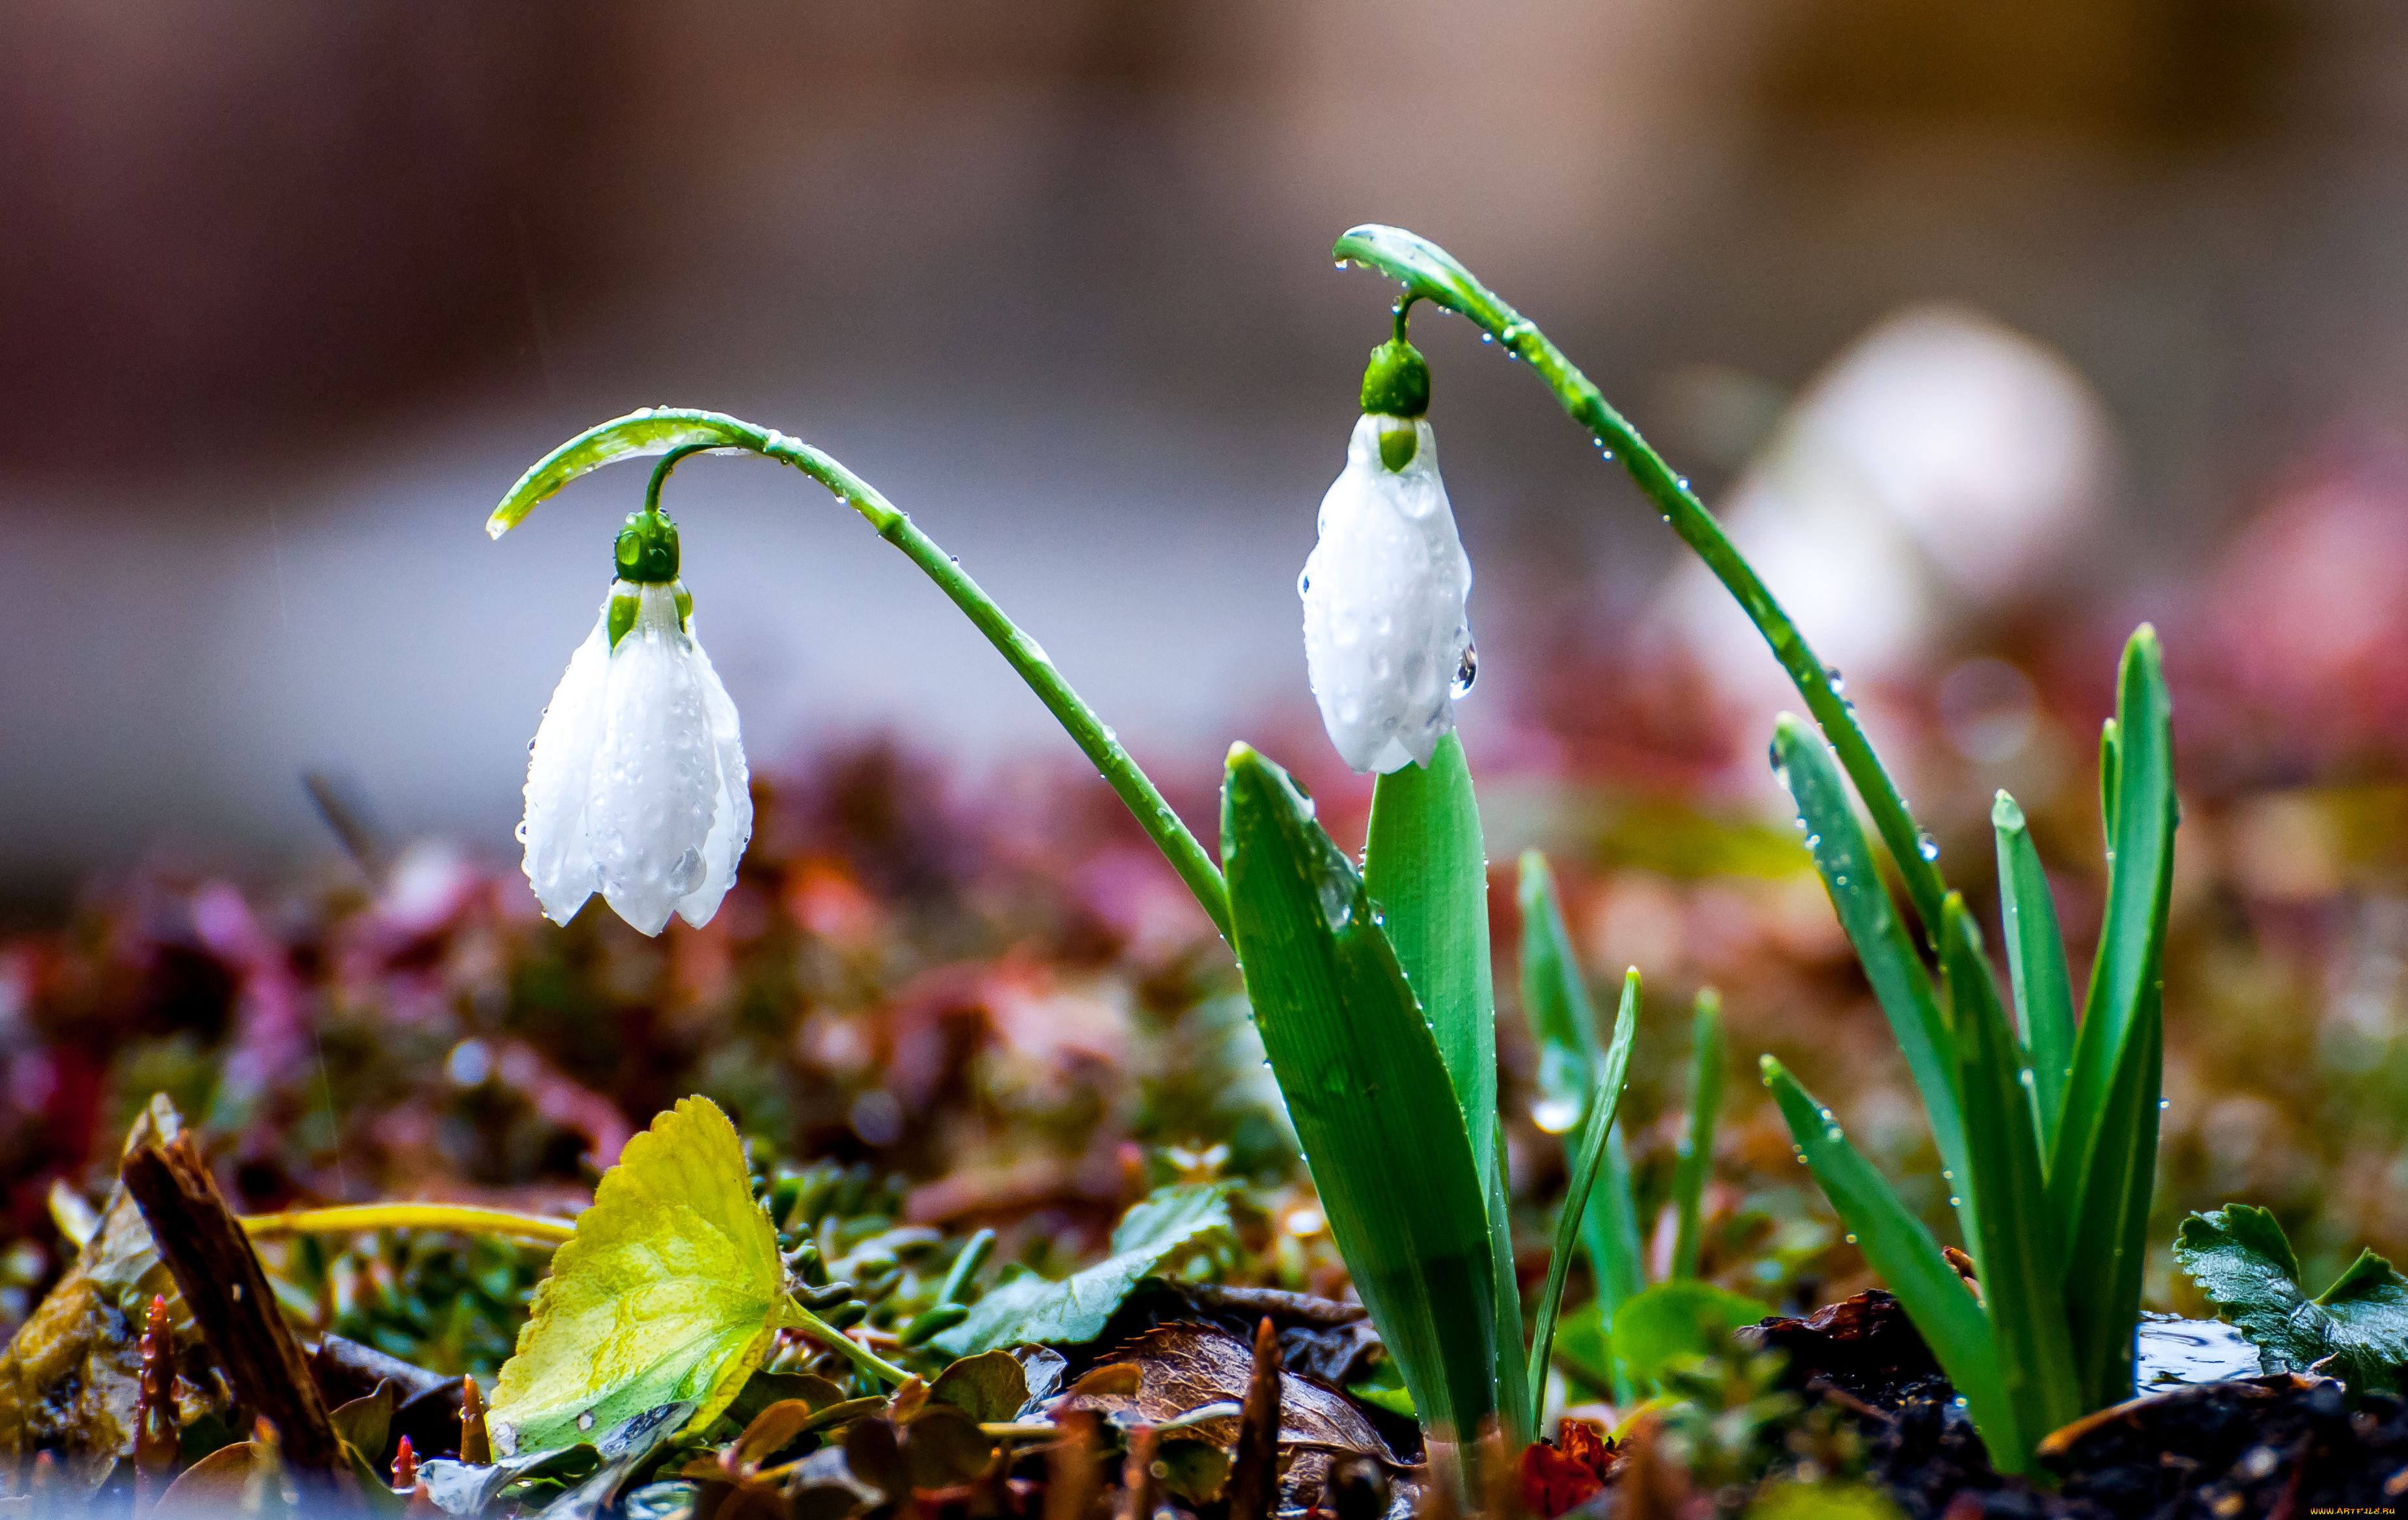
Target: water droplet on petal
x,y
1467,670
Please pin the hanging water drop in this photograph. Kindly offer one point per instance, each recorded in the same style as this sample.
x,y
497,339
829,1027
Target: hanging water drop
x,y
1926,847
1467,670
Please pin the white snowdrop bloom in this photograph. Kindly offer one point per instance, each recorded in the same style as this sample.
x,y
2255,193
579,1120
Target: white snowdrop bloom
x,y
637,786
1386,637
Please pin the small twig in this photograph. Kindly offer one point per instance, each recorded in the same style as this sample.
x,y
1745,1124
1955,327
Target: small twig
x,y
1140,1487
1253,1473
220,1279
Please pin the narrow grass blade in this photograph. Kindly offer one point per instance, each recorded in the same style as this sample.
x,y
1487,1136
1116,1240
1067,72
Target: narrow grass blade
x,y
2110,1244
1909,1260
1514,1392
1427,869
2036,961
1563,1026
2110,755
1367,1092
1706,1058
1803,763
2106,1147
1605,1100
2021,1266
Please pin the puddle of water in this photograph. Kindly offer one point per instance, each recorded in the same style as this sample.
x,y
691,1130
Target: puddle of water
x,y
2175,1351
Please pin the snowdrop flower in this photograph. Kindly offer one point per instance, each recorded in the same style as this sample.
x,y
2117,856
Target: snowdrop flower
x,y
1385,634
637,787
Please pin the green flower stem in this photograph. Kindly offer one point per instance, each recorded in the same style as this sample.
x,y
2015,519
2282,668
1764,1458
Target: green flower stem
x,y
459,1218
677,431
1429,273
796,1317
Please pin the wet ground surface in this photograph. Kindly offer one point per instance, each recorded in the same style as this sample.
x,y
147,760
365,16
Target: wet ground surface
x,y
2281,1445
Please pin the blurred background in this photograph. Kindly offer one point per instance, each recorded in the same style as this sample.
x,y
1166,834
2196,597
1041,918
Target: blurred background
x,y
1991,331
289,295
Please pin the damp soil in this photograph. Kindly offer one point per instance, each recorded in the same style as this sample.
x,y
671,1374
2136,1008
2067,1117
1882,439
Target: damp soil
x,y
2282,1446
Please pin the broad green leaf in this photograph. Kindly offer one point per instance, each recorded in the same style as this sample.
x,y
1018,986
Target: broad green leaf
x,y
1427,867
1803,763
989,1387
1603,1106
670,1290
1899,1247
1698,1144
1563,1026
2021,1268
2241,1258
2036,961
2101,1170
1674,1321
1368,1093
1073,1311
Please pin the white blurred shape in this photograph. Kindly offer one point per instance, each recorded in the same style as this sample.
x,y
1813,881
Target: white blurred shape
x,y
1943,464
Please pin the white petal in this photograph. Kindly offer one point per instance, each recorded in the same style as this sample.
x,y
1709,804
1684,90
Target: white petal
x,y
731,823
560,771
1383,592
655,775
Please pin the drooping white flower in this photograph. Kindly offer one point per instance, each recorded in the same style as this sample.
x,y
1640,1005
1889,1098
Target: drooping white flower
x,y
1386,636
637,787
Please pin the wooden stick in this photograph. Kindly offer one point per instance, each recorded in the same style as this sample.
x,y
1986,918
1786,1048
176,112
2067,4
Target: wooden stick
x,y
220,1276
1253,1473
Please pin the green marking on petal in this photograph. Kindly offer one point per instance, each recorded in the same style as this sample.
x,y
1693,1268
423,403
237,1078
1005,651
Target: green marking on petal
x,y
623,617
1400,441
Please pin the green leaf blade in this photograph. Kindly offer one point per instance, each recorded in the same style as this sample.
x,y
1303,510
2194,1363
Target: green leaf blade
x,y
1563,1026
2036,962
1367,1092
2139,788
1850,874
1604,1106
1426,866
1697,1163
1906,1258
670,1290
2022,1281
2103,1169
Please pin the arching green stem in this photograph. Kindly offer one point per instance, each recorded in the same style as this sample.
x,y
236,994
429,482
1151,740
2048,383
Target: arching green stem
x,y
677,431
1429,273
